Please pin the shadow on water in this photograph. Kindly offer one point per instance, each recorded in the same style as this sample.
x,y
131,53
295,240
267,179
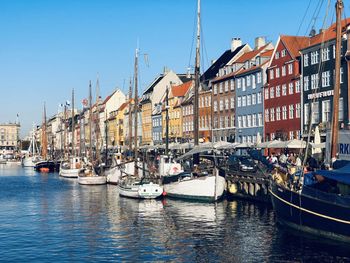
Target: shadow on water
x,y
44,217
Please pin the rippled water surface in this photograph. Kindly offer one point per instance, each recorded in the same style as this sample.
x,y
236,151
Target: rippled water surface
x,y
45,218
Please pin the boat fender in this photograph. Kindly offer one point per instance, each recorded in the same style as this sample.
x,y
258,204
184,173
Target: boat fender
x,y
77,166
233,188
164,193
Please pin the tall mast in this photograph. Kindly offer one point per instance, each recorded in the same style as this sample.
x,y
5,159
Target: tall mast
x,y
335,122
73,125
130,115
167,122
97,122
136,106
65,130
196,78
90,122
43,135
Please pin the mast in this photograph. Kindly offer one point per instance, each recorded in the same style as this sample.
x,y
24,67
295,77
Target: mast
x,y
65,130
130,116
97,120
73,125
167,122
136,106
196,85
43,135
90,124
335,121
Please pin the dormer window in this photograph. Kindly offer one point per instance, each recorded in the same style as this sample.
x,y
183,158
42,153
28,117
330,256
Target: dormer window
x,y
257,61
246,64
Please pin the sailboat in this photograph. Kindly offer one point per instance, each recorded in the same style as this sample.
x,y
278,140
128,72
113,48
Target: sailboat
x,y
71,168
317,202
88,175
45,165
206,187
32,156
131,185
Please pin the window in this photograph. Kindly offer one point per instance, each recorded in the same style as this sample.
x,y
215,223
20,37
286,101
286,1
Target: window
x,y
249,100
315,113
248,81
277,72
238,83
244,121
215,89
306,113
253,82
239,121
258,77
232,84
226,86
326,111
314,81
278,91
243,84
239,101
297,86
278,113
272,92
232,120
341,75
290,86
260,119
325,78
306,83
272,114
266,94
215,105
291,111
333,51
232,102
277,55
297,110
220,87
283,53
284,90
254,120
291,135
290,68
284,112
249,120
271,73
226,104
341,109
244,101
267,115
221,105
306,60
259,97
253,99
283,70
325,54
314,57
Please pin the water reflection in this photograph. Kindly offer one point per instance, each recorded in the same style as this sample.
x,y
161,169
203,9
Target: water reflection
x,y
47,218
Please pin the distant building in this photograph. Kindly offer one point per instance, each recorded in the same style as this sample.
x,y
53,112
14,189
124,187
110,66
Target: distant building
x,y
9,137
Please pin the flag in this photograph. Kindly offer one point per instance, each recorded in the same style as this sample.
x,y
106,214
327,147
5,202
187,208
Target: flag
x,y
67,103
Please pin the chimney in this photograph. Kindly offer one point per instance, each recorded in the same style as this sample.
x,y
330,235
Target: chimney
x,y
259,42
235,43
312,32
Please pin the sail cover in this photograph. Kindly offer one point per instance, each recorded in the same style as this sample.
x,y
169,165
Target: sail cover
x,y
341,175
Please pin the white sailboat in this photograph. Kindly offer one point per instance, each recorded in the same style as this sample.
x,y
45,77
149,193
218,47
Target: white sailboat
x,y
32,157
207,187
133,186
72,167
88,175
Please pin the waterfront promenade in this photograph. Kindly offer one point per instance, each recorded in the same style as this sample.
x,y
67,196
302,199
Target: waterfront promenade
x,y
45,218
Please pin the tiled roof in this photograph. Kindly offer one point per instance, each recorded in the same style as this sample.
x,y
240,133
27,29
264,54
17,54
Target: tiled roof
x,y
181,90
267,53
294,43
249,55
211,72
123,106
243,70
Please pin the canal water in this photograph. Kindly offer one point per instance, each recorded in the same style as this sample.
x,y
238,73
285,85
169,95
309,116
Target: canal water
x,y
45,218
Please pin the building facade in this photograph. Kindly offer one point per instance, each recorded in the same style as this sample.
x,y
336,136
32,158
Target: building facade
x,y
9,137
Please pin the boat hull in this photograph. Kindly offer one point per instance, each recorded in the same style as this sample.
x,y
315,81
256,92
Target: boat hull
x,y
92,180
69,173
113,175
308,213
142,191
205,188
48,166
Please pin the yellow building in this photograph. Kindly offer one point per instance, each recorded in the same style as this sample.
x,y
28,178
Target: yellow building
x,y
176,95
146,116
116,126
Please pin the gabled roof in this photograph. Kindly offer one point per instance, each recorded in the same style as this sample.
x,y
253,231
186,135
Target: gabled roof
x,y
243,70
181,90
154,83
294,43
123,106
251,54
211,72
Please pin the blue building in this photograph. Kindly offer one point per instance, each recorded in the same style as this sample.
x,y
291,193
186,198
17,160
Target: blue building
x,y
157,124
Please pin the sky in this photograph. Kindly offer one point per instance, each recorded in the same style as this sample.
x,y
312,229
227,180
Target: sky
x,y
47,48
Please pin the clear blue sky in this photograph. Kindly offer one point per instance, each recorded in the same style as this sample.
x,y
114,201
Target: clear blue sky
x,y
49,47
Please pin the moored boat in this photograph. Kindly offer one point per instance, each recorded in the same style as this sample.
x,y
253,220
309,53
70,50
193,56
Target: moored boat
x,y
71,168
140,189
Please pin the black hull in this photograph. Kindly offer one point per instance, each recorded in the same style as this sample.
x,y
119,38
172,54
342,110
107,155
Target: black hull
x,y
326,215
51,165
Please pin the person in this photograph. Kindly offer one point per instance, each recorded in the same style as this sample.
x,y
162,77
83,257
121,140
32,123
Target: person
x,y
298,161
274,159
312,163
283,158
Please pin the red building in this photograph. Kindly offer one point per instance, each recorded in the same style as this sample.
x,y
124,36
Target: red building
x,y
282,94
